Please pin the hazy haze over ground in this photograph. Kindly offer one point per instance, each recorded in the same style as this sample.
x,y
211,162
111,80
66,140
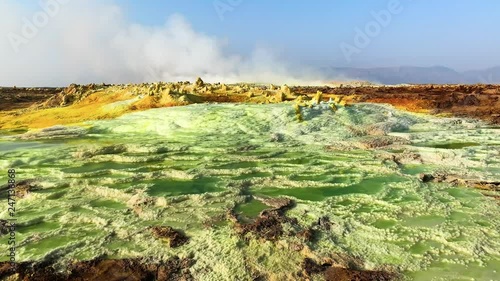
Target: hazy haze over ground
x,y
89,41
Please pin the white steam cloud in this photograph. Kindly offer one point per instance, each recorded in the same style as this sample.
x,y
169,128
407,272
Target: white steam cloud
x,y
77,41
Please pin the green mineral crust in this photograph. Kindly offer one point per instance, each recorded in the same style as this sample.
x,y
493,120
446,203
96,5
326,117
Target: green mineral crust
x,y
365,186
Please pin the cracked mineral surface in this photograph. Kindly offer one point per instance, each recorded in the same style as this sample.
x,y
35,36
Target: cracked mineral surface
x,y
221,191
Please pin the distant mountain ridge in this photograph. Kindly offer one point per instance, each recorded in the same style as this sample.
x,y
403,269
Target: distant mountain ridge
x,y
415,75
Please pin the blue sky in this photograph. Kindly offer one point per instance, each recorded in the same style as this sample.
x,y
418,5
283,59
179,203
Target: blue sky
x,y
123,41
462,34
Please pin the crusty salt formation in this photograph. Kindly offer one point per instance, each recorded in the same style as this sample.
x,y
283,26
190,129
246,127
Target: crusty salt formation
x,y
355,175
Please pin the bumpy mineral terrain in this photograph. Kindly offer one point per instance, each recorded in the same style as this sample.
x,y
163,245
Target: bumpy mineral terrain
x,y
91,102
198,181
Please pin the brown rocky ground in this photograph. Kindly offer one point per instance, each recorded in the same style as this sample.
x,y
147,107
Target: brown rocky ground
x,y
174,269
333,273
174,237
268,225
487,188
24,108
18,98
476,101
